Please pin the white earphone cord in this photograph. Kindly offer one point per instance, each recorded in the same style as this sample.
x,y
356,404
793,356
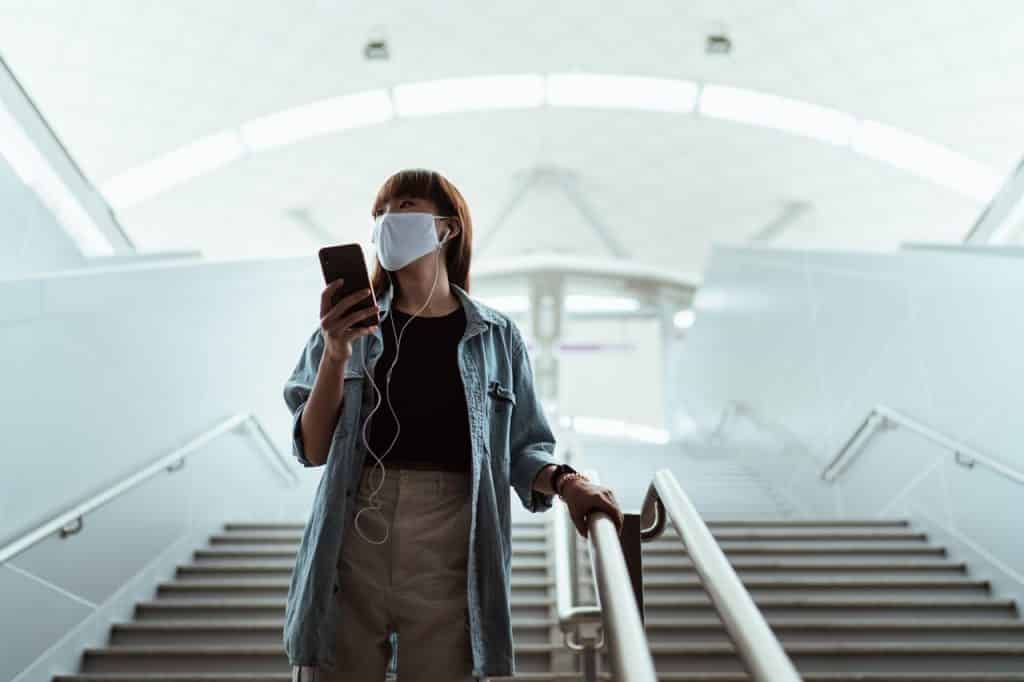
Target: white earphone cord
x,y
387,391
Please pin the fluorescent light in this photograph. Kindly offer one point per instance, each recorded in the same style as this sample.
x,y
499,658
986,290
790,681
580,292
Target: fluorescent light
x,y
771,111
621,92
927,159
647,434
507,304
684,318
36,172
613,428
464,94
575,303
326,116
151,178
580,303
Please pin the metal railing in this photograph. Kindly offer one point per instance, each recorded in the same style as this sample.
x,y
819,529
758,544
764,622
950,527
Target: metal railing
x,y
616,623
880,416
758,647
619,609
71,521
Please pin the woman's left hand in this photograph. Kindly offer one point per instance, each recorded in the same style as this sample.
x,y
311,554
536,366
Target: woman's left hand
x,y
582,497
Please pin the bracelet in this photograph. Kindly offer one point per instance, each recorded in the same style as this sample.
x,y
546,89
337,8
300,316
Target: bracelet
x,y
568,477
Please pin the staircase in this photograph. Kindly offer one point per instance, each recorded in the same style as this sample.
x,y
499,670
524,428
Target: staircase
x,y
222,616
850,600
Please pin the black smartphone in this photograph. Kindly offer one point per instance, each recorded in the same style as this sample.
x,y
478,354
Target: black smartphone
x,y
346,261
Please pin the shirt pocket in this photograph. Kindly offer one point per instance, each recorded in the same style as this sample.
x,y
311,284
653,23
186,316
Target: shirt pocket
x,y
503,398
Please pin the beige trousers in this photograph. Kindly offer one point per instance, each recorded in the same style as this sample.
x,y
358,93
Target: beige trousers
x,y
414,583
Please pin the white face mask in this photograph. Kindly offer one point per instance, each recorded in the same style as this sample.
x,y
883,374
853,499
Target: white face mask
x,y
401,238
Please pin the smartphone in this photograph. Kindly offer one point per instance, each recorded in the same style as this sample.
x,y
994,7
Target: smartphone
x,y
346,261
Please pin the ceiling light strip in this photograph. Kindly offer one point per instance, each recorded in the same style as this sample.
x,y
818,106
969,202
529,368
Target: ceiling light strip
x,y
873,140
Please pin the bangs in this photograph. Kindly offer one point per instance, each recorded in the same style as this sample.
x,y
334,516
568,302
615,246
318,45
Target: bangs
x,y
418,183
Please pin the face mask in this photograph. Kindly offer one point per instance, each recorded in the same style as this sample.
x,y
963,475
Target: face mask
x,y
401,238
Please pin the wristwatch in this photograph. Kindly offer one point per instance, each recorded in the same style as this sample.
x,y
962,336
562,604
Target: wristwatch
x,y
558,473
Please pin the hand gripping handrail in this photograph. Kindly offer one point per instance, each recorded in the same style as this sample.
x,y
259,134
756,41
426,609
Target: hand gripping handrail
x,y
617,612
756,644
880,415
170,463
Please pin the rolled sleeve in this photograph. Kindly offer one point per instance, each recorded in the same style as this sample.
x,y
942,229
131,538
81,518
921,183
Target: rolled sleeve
x,y
298,450
531,441
297,389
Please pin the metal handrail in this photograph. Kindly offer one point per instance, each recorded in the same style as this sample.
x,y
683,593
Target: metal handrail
x,y
627,638
756,644
169,463
880,415
616,612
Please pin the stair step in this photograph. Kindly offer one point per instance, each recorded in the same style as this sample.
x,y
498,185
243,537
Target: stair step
x,y
263,632
277,537
229,553
285,537
822,657
666,630
662,606
805,535
837,586
236,658
753,567
300,526
285,568
247,608
786,549
802,523
560,677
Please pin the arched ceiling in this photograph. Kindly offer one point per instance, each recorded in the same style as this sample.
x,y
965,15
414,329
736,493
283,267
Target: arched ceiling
x,y
125,82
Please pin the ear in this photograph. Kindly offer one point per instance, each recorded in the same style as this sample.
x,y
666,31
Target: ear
x,y
453,227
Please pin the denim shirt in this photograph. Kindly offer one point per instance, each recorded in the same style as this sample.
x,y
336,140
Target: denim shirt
x,y
511,442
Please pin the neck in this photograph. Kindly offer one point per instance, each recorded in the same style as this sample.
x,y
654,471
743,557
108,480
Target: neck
x,y
414,283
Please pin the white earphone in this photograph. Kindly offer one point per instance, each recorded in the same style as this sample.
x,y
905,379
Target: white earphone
x,y
387,385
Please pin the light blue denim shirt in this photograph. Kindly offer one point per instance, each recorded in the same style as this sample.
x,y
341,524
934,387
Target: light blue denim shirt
x,y
511,442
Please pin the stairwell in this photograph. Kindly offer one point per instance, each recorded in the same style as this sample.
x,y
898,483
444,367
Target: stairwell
x,y
850,600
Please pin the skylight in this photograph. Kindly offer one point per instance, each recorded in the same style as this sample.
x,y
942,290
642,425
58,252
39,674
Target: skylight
x,y
924,158
621,92
29,164
771,111
525,91
319,118
469,94
151,178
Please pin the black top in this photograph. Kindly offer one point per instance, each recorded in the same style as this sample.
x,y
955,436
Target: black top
x,y
426,393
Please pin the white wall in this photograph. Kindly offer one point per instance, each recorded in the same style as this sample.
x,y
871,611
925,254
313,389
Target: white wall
x,y
809,341
30,237
107,369
621,379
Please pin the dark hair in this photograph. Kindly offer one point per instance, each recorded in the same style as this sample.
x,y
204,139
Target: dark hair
x,y
421,183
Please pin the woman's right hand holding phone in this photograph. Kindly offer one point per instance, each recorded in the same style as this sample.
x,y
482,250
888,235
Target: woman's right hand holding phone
x,y
336,321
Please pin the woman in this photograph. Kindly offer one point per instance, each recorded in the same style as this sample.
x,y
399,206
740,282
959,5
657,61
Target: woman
x,y
431,555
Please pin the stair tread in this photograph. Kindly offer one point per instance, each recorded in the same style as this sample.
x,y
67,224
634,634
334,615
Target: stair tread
x,y
923,602
817,581
231,624
246,649
847,623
